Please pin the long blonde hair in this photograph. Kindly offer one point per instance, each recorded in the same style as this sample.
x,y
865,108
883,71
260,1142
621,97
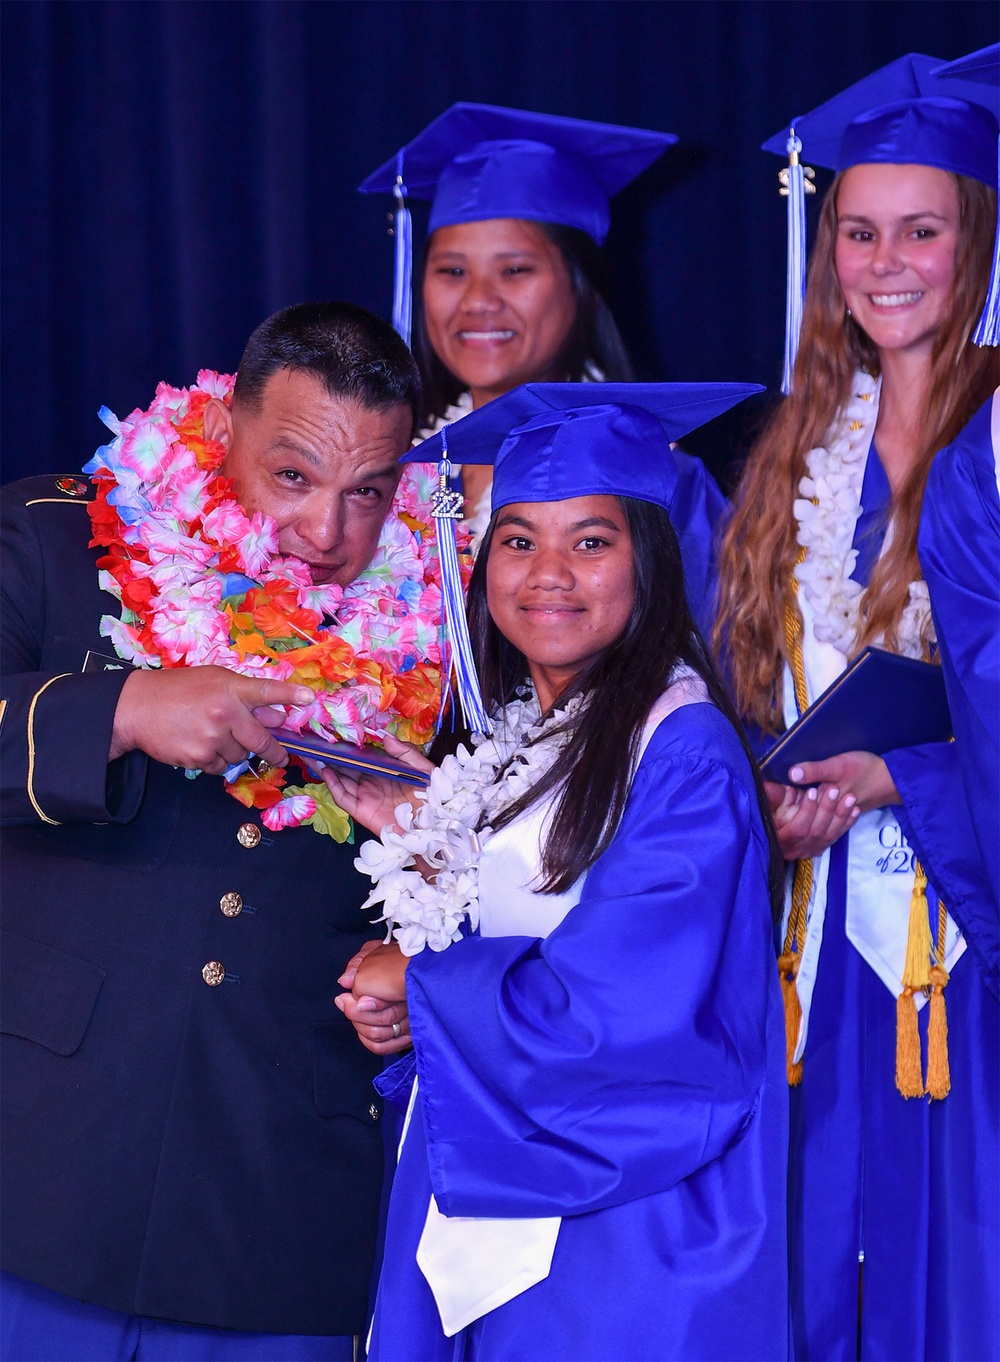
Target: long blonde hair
x,y
759,550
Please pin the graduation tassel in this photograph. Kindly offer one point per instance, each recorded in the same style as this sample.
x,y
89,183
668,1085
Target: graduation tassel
x,y
987,330
446,508
916,978
402,292
938,1069
796,182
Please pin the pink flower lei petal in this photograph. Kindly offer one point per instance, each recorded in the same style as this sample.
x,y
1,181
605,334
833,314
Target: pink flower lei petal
x,y
289,812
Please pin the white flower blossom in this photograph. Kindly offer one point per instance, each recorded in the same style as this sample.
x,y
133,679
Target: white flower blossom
x,y
827,513
444,829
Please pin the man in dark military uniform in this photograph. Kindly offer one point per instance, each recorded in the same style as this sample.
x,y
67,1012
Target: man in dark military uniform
x,y
190,1129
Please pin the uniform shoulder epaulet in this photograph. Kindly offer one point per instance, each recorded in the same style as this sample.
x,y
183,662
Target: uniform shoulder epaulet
x,y
53,488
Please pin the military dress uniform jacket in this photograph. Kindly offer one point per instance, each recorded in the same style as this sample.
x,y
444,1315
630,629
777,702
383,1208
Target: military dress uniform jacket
x,y
189,1125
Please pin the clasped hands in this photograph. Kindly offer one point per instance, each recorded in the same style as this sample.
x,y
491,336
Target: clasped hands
x,y
375,978
841,788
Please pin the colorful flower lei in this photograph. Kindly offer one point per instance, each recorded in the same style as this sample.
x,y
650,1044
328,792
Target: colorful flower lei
x,y
202,583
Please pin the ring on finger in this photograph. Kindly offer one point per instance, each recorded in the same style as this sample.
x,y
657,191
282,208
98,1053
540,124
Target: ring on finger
x,y
396,1029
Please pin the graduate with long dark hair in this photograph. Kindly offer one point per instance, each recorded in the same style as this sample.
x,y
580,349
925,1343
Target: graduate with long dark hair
x,y
593,1162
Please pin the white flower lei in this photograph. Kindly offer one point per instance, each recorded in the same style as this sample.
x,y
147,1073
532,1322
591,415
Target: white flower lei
x,y
443,830
827,512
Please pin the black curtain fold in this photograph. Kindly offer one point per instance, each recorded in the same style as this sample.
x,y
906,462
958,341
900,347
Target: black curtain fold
x,y
174,171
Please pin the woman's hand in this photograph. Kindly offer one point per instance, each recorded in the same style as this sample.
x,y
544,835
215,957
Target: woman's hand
x,y
842,788
372,800
383,1026
808,821
382,974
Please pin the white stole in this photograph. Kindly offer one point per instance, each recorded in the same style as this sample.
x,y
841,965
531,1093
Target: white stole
x,y
879,864
476,1264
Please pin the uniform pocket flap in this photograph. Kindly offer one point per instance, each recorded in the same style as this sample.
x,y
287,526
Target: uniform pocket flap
x,y
46,995
343,1073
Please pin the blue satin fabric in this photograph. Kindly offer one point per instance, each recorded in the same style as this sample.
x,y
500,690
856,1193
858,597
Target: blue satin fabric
x,y
520,178
959,548
910,1184
950,134
625,1073
697,514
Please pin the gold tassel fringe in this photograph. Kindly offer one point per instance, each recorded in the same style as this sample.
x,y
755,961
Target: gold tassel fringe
x,y
938,1068
788,969
924,971
909,1079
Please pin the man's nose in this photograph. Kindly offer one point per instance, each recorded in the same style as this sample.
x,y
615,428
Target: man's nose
x,y
321,522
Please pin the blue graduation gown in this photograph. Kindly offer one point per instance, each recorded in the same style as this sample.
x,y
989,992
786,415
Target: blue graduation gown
x,y
625,1073
959,547
894,1208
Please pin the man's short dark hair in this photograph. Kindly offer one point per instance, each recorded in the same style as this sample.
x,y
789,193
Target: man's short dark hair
x,y
353,353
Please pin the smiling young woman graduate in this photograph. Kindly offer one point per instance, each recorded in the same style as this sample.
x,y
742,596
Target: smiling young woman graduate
x,y
593,1164
513,287
894,1178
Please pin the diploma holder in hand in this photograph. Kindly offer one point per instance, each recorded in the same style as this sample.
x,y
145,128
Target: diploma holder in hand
x,y
880,702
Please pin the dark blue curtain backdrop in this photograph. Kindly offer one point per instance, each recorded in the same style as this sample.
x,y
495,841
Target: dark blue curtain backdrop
x,y
173,172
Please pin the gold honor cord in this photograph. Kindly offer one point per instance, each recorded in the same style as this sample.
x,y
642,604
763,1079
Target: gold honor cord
x,y
795,936
924,969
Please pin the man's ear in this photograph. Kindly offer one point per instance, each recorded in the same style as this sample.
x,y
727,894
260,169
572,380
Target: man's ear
x,y
218,422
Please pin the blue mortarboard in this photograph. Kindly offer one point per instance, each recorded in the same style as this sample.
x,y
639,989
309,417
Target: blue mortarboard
x,y
479,161
902,114
982,68
553,441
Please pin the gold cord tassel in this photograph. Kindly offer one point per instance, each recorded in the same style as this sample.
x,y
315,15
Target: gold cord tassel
x,y
916,979
919,946
788,966
938,1068
795,937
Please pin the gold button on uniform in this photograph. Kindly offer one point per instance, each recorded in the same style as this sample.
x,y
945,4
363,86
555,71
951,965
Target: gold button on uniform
x,y
248,835
231,904
213,973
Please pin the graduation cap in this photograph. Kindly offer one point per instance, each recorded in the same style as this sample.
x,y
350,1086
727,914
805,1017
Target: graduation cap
x,y
480,161
902,114
982,68
554,441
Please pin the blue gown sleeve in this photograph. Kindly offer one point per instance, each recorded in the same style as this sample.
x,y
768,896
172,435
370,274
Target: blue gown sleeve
x,y
936,819
626,1050
959,547
696,514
